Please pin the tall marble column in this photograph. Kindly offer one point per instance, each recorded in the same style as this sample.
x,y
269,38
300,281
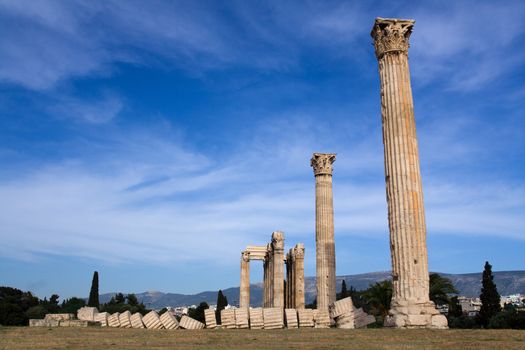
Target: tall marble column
x,y
411,307
298,276
324,229
265,282
244,290
278,269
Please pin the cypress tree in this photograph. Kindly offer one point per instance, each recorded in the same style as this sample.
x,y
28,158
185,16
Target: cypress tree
x,y
344,290
490,298
93,294
222,302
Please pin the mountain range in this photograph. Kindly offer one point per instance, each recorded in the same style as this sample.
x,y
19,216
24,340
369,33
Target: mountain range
x,y
468,284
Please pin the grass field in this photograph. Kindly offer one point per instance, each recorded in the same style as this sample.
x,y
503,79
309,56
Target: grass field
x,y
114,338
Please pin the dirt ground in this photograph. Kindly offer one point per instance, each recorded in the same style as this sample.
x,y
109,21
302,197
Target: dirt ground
x,y
114,338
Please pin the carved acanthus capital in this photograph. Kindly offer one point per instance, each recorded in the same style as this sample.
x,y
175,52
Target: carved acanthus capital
x,y
278,240
245,256
391,35
322,163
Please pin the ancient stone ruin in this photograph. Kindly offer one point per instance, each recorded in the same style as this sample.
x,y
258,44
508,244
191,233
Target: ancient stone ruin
x,y
275,294
324,229
284,299
411,307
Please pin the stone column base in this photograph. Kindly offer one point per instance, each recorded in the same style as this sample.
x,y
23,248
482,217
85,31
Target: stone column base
x,y
415,315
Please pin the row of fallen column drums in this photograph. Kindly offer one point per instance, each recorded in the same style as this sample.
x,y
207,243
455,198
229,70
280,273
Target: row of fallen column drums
x,y
342,313
151,320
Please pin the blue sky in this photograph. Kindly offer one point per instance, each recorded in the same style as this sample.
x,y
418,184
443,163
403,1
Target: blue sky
x,y
152,141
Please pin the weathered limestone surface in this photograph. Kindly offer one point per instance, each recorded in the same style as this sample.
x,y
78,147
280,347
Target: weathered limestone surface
x,y
169,321
256,318
341,307
273,318
241,318
136,320
228,318
187,322
102,317
411,307
345,321
125,319
113,320
321,318
362,319
78,323
210,318
59,317
62,323
244,300
291,318
324,229
295,277
278,269
43,323
152,320
306,318
87,313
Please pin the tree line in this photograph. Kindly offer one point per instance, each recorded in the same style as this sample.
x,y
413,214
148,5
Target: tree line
x,y
17,307
376,301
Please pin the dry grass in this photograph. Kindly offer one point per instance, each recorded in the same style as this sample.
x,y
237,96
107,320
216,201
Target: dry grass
x,y
111,338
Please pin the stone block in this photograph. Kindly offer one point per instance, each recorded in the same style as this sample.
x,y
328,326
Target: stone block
x,y
364,320
152,321
125,319
102,317
87,313
113,320
43,323
59,317
291,318
241,318
306,318
169,321
228,318
136,320
417,321
187,322
345,321
273,318
321,318
341,307
210,318
78,323
439,321
256,318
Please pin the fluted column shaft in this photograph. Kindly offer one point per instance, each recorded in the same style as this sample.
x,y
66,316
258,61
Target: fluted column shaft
x,y
324,229
265,282
278,269
298,277
244,290
406,214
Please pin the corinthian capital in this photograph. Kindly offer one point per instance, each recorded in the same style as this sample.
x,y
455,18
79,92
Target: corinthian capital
x,y
245,256
391,35
322,163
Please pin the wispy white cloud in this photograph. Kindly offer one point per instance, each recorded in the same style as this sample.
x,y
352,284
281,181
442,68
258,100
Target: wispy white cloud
x,y
147,196
99,111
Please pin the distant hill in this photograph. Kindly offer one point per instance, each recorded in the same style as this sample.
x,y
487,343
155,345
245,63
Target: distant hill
x,y
468,284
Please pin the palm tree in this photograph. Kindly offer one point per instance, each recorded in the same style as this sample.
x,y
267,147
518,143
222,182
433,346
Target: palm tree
x,y
379,296
439,289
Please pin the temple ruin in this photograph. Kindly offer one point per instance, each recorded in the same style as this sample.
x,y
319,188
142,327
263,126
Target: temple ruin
x,y
275,295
